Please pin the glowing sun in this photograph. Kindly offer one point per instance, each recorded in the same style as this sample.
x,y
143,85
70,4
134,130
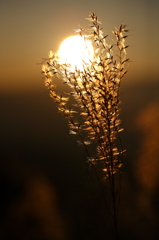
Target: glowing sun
x,y
76,51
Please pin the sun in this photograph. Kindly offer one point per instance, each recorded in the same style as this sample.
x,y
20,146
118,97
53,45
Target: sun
x,y
76,51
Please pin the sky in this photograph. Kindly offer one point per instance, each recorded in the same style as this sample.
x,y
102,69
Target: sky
x,y
30,29
44,188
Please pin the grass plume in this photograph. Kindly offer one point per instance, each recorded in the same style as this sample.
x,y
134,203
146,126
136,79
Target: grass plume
x,y
96,90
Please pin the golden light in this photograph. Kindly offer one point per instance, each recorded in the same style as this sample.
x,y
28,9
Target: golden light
x,y
76,51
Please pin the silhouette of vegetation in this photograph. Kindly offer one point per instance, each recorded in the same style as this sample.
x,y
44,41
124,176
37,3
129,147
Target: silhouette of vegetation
x,y
96,91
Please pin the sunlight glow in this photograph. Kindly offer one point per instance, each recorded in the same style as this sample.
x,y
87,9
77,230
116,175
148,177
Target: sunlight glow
x,y
76,51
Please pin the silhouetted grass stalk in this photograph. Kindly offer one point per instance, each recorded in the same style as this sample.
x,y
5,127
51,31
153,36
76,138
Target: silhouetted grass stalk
x,y
96,90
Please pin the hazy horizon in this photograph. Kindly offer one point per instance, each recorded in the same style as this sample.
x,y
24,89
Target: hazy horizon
x,y
45,190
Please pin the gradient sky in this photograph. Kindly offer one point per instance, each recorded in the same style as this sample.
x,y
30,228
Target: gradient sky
x,y
36,149
30,29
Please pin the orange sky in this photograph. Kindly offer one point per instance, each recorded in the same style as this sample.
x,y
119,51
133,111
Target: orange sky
x,y
36,148
30,29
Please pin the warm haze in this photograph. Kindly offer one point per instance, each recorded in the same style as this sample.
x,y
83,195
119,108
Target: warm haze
x,y
44,187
